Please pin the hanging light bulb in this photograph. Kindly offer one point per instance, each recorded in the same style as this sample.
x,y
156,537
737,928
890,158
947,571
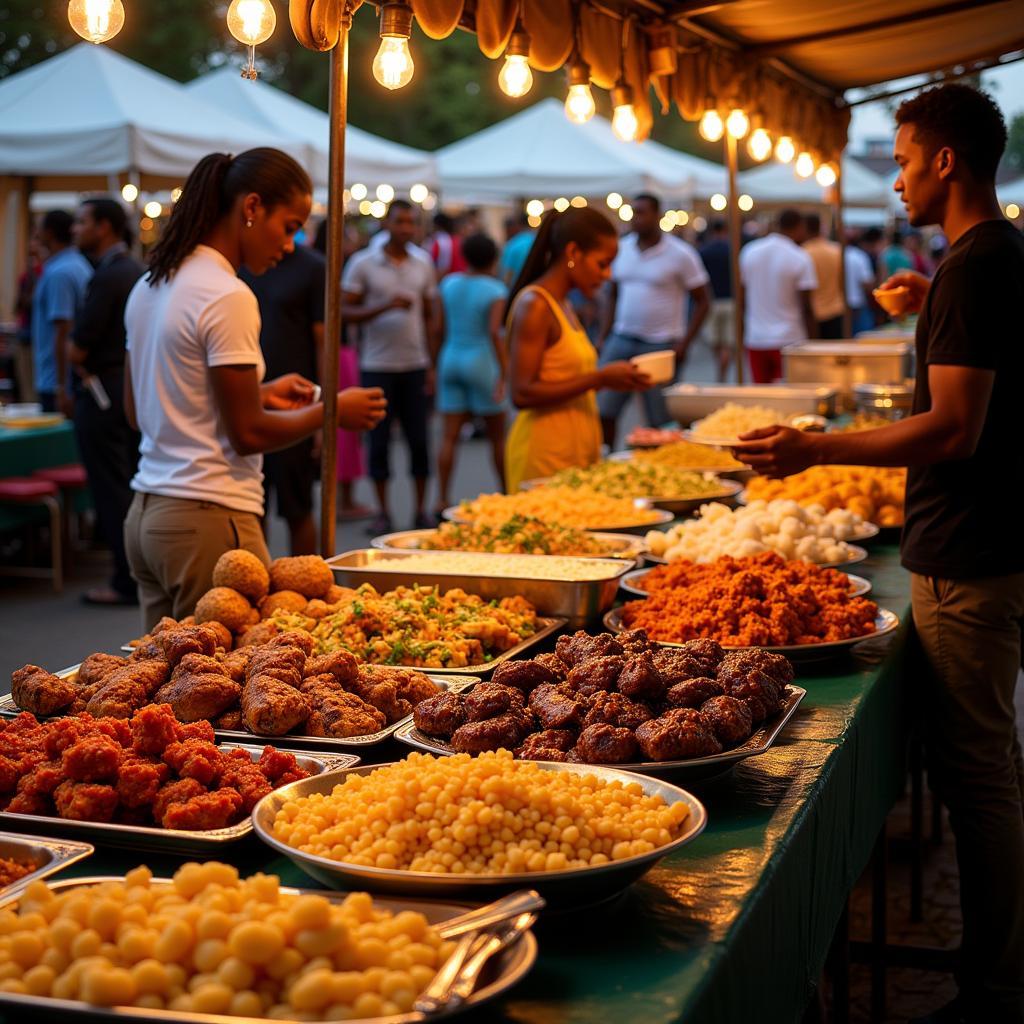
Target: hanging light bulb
x,y
804,165
711,126
579,104
759,145
737,123
515,78
251,22
825,176
393,66
785,150
624,119
96,20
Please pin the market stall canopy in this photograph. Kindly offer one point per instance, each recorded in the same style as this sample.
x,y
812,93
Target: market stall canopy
x,y
778,183
90,111
368,158
538,153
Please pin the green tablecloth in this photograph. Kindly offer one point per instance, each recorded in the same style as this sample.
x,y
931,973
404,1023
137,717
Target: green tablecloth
x,y
22,451
736,925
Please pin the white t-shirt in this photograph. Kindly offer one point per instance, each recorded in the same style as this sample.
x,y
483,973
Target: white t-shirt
x,y
860,277
653,285
774,271
204,316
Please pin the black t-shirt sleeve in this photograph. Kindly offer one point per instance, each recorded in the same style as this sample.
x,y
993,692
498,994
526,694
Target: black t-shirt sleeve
x,y
971,312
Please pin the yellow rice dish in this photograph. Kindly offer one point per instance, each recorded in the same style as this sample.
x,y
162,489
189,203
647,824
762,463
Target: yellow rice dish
x,y
566,506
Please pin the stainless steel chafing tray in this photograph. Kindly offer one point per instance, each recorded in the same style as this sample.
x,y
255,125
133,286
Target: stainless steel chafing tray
x,y
689,402
579,601
844,364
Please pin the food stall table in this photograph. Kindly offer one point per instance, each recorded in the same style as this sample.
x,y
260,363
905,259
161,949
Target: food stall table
x,y
737,924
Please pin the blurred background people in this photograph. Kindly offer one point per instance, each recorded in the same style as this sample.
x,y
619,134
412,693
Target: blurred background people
x,y
107,444
56,303
778,281
472,368
26,286
518,239
894,257
715,254
653,275
445,246
860,280
827,299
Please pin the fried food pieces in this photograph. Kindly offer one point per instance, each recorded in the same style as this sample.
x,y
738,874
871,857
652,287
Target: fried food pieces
x,y
308,575
243,572
271,702
149,770
39,691
224,605
620,699
199,688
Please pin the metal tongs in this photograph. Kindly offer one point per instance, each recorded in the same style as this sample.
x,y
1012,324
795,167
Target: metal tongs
x,y
483,933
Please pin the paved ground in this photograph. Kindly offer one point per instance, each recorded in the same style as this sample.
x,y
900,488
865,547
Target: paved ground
x,y
56,630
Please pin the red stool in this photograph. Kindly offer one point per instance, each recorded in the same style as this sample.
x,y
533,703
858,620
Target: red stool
x,y
23,490
70,478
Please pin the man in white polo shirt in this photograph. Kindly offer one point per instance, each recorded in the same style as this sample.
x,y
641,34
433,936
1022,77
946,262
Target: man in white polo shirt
x,y
652,276
778,281
390,291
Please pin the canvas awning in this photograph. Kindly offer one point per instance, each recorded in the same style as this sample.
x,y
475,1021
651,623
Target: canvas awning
x,y
777,183
368,158
538,153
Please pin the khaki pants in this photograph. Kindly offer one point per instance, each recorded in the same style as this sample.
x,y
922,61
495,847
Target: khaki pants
x,y
718,328
173,544
970,631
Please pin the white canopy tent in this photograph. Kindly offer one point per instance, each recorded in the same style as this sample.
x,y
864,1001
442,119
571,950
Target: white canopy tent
x,y
368,158
538,153
778,183
1011,192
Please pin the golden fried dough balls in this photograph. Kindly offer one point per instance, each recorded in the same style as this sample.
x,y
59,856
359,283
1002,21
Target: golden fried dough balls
x,y
259,634
224,637
242,571
336,594
224,605
307,574
282,600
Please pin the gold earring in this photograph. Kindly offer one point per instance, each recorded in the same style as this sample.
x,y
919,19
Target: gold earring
x,y
572,263
248,223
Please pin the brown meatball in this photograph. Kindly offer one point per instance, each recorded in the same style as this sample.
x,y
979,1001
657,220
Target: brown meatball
x,y
440,715
596,674
776,666
557,708
474,737
730,720
534,753
641,680
548,745
758,690
554,664
523,675
691,693
488,700
581,647
675,665
615,709
636,641
708,653
293,638
678,734
606,744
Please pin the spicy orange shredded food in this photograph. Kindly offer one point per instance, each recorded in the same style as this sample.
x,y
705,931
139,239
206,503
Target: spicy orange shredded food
x,y
759,601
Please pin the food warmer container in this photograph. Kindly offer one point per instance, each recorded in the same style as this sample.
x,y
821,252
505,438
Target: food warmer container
x,y
892,401
689,402
844,364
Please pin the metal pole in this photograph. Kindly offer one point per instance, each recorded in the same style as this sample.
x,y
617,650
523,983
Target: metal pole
x,y
333,325
734,253
837,199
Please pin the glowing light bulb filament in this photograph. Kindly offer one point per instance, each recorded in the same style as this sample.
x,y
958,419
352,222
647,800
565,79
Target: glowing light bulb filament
x,y
96,20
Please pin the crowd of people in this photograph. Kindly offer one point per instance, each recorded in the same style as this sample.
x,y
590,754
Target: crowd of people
x,y
437,319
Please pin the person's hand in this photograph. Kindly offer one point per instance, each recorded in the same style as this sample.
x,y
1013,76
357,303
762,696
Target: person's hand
x,y
777,451
917,287
498,396
292,391
680,348
400,302
361,408
623,376
66,404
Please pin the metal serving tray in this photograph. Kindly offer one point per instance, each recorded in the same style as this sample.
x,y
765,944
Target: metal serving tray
x,y
48,855
578,601
691,769
506,969
168,840
622,546
842,364
689,402
677,506
662,517
293,741
561,889
885,622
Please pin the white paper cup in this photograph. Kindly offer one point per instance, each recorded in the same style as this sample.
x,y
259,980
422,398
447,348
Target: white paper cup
x,y
660,366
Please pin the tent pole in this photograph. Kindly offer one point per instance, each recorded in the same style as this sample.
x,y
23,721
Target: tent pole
x,y
734,253
837,199
333,325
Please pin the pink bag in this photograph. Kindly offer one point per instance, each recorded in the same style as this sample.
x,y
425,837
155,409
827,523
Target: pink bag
x,y
350,443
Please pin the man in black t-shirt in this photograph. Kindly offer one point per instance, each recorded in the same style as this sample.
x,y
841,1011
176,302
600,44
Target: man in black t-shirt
x,y
108,445
291,298
962,540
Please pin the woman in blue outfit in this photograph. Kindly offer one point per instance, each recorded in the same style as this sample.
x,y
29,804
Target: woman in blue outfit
x,y
471,369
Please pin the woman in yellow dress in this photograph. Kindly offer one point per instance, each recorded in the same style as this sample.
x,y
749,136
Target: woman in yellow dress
x,y
554,373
